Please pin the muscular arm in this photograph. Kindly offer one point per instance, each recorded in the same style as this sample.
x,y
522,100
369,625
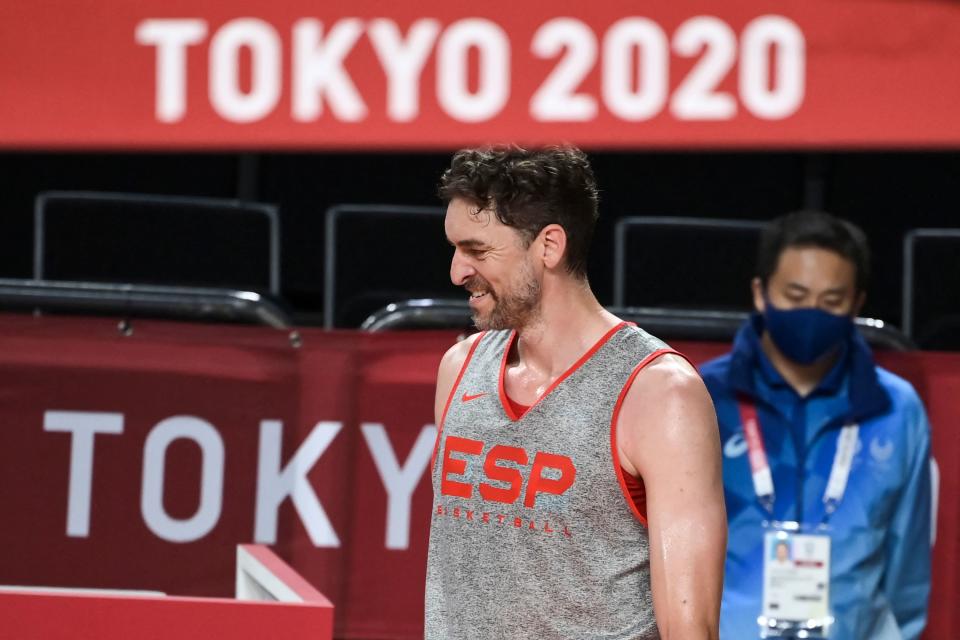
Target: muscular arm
x,y
667,434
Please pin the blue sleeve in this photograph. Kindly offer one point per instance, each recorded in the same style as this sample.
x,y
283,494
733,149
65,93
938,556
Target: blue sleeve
x,y
906,582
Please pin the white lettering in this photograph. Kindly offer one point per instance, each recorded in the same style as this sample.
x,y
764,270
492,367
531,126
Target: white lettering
x,y
493,90
171,37
623,43
474,68
697,97
403,62
275,484
229,100
557,97
154,471
318,70
784,38
83,426
399,481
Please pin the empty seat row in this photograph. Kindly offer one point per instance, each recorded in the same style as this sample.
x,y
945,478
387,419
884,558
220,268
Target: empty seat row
x,y
375,255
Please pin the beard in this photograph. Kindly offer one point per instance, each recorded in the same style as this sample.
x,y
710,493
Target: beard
x,y
512,309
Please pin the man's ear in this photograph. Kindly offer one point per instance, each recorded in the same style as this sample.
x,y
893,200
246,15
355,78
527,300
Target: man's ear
x,y
756,286
553,245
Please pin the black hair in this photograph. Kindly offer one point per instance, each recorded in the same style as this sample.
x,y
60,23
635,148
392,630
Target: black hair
x,y
813,229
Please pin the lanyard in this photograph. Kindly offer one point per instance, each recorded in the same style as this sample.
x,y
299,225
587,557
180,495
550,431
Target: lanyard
x,y
760,466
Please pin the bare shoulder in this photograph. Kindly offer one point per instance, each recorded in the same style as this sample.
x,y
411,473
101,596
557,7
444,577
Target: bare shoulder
x,y
450,366
455,356
670,368
667,406
668,379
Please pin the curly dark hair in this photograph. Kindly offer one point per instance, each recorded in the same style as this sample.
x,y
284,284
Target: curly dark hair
x,y
529,189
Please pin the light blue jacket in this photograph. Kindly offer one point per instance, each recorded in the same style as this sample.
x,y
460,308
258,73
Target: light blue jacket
x,y
880,564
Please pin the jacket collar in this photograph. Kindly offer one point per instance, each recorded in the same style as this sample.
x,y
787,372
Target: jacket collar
x,y
867,396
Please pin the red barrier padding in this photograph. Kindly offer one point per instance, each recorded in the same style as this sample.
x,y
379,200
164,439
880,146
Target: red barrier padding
x,y
36,615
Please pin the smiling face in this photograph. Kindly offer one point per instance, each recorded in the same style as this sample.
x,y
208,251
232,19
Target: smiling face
x,y
494,264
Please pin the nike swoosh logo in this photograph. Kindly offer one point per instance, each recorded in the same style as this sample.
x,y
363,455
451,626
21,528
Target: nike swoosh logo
x,y
468,398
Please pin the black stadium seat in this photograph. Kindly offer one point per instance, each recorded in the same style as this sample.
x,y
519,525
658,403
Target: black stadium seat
x,y
376,254
692,263
157,240
931,288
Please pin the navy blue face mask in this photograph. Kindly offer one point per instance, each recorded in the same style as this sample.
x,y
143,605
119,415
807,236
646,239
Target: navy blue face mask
x,y
806,335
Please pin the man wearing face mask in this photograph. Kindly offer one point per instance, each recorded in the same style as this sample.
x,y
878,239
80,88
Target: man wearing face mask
x,y
822,446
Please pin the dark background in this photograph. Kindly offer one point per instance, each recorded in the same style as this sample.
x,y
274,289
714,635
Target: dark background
x,y
886,193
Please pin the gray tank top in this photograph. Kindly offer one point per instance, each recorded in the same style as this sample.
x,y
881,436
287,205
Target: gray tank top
x,y
533,533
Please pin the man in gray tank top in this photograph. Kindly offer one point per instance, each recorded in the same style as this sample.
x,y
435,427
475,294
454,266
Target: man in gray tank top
x,y
576,476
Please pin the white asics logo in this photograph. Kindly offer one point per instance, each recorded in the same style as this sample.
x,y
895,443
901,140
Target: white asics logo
x,y
881,449
736,446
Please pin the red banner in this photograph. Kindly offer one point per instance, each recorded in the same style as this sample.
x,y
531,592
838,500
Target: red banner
x,y
210,74
140,461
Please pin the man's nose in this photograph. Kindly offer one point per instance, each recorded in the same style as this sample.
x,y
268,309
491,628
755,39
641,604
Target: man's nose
x,y
460,269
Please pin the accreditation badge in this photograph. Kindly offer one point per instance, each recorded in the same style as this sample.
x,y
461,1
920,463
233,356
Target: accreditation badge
x,y
796,582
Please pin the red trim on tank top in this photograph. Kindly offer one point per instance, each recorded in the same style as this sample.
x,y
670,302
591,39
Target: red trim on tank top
x,y
453,391
641,515
636,490
518,409
504,399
